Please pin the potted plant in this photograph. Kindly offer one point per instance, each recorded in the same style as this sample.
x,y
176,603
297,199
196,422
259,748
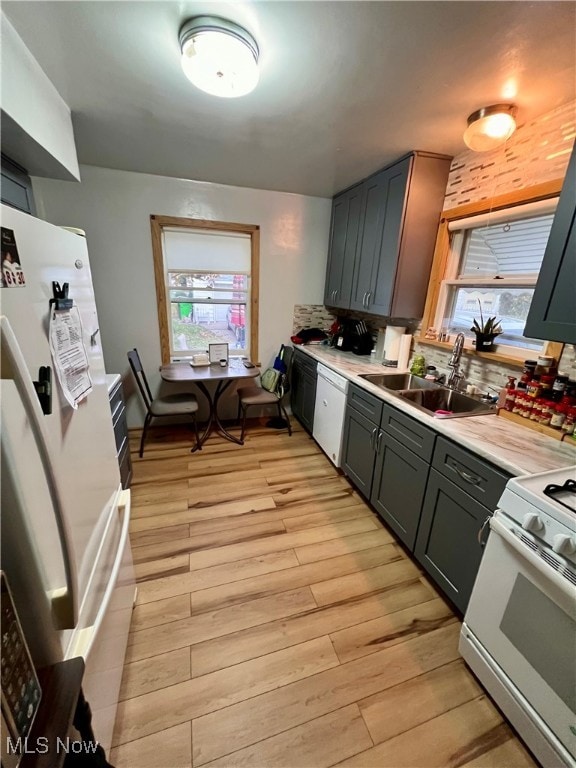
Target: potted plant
x,y
485,332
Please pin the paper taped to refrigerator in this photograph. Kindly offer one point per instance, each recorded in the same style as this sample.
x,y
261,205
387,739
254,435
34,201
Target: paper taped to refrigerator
x,y
69,355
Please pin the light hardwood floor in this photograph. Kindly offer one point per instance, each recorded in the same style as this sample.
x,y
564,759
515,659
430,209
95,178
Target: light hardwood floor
x,y
278,623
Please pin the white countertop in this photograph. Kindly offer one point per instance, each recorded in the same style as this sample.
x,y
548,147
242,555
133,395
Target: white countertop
x,y
111,380
515,449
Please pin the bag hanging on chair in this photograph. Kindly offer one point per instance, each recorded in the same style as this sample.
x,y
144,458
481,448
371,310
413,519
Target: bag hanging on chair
x,y
270,379
273,379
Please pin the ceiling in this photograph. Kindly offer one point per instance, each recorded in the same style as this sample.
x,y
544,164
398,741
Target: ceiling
x,y
345,87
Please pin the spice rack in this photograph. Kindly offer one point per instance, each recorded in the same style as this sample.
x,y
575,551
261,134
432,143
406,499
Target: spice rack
x,y
555,434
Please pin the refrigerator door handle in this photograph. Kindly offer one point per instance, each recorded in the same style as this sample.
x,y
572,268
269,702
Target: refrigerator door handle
x,y
88,635
64,601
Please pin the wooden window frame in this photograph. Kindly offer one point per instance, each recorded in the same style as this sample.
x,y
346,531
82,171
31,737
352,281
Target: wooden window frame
x,y
157,225
442,254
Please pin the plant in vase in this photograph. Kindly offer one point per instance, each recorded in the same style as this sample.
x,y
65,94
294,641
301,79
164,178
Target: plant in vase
x,y
485,332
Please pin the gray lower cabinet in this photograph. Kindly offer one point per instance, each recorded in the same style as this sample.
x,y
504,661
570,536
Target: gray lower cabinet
x,y
358,449
303,378
434,495
118,409
461,495
398,487
386,455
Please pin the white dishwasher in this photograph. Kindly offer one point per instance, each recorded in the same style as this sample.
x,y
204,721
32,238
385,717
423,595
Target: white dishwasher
x,y
331,392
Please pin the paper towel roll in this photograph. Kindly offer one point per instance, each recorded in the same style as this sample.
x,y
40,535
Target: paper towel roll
x,y
392,342
404,351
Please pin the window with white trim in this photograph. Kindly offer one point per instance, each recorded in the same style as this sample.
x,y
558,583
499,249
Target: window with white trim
x,y
492,268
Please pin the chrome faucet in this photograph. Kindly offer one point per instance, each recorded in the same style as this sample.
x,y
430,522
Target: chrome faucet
x,y
454,377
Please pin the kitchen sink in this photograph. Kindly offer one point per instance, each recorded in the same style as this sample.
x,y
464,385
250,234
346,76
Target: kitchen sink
x,y
399,381
443,399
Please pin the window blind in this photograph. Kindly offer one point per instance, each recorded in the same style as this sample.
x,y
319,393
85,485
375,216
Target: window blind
x,y
202,250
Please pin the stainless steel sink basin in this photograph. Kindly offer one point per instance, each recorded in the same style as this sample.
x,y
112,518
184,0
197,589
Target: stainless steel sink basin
x,y
399,381
444,399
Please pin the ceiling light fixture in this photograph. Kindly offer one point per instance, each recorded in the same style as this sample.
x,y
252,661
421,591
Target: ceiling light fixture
x,y
490,127
218,56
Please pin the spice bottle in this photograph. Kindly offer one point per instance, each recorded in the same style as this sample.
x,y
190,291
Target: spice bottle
x,y
546,365
510,399
559,386
534,387
527,373
559,415
546,412
569,421
536,411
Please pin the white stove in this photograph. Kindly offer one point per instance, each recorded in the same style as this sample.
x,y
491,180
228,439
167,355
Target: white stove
x,y
519,632
544,506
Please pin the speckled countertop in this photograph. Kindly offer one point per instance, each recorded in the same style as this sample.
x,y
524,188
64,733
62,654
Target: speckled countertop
x,y
515,449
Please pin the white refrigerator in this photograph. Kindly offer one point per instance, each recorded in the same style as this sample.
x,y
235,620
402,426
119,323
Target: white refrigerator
x,y
65,518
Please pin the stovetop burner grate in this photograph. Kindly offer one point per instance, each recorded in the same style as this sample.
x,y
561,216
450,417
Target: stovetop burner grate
x,y
554,491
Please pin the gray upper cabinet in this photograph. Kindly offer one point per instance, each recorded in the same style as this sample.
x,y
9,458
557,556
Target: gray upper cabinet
x,y
16,187
386,272
552,314
345,227
379,247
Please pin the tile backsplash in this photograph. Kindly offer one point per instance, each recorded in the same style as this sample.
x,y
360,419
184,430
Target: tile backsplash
x,y
318,316
537,152
478,371
311,316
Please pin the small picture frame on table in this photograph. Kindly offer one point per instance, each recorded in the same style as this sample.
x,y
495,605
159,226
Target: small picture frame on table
x,y
217,353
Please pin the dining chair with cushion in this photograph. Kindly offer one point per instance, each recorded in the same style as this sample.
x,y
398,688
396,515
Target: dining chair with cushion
x,y
184,404
255,395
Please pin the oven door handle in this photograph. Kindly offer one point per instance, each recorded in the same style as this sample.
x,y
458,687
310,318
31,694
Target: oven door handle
x,y
544,570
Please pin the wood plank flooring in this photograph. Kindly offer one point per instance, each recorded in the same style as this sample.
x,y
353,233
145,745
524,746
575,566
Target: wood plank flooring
x,y
279,624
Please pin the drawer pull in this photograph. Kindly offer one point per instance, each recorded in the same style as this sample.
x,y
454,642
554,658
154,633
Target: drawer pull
x,y
481,539
465,476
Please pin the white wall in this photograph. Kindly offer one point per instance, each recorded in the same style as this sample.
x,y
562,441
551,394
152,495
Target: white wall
x,y
114,209
36,123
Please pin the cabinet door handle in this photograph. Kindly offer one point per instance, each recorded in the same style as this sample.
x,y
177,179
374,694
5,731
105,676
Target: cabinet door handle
x,y
368,296
335,294
372,436
378,441
364,298
486,523
465,476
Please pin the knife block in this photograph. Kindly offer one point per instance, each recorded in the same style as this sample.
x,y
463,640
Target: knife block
x,y
363,344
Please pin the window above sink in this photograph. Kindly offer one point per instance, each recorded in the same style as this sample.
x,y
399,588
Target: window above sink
x,y
489,254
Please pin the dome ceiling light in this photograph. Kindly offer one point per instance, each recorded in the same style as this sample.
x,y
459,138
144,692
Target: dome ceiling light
x,y
218,56
490,127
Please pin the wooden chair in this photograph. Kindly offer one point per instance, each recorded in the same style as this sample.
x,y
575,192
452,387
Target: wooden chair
x,y
157,407
253,395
